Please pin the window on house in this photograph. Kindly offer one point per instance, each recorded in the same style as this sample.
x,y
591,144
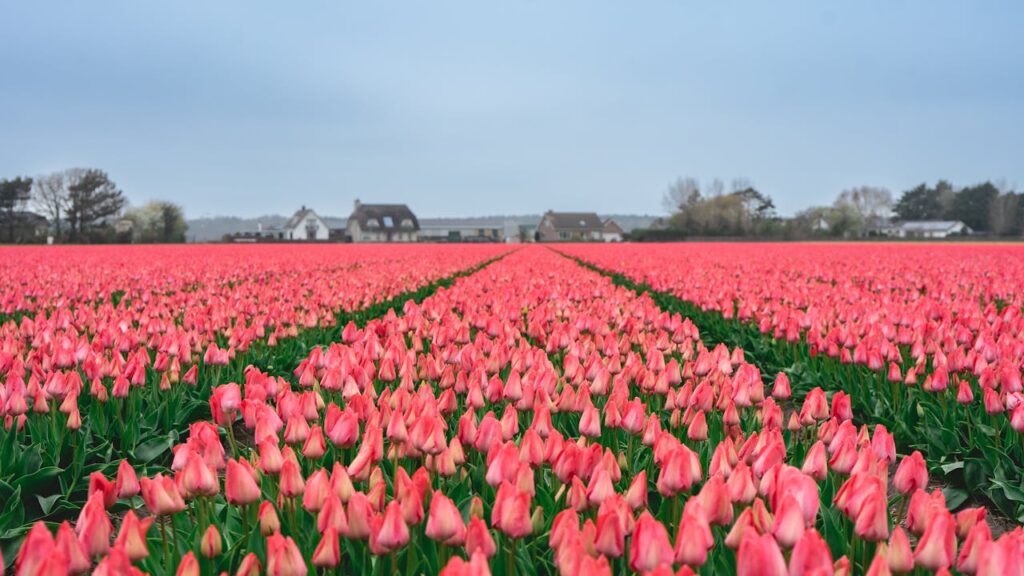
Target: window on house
x,y
563,235
406,223
388,222
372,223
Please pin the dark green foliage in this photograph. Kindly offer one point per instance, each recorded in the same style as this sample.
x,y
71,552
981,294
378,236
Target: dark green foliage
x,y
93,198
14,195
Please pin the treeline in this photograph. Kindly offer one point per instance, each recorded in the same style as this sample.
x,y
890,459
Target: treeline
x,y
741,210
82,205
713,211
986,207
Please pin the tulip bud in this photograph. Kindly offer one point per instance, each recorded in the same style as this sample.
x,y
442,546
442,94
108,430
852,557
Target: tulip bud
x,y
811,555
899,555
937,547
189,566
759,555
250,566
127,483
537,519
132,537
911,474
269,522
476,507
211,544
328,552
788,525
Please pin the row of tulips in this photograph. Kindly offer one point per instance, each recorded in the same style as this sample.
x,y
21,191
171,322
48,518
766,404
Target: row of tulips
x,y
525,421
851,321
118,370
921,314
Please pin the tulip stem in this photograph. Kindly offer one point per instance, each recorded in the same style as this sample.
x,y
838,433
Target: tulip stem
x,y
245,523
903,508
163,537
231,436
629,448
511,565
174,535
409,554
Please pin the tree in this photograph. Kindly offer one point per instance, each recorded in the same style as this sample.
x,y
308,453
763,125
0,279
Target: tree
x,y
760,206
14,194
868,201
919,203
92,199
50,197
924,203
944,194
973,205
712,212
157,221
1006,217
845,220
681,193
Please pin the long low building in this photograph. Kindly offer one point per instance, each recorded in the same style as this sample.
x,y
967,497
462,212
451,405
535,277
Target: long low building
x,y
923,229
467,230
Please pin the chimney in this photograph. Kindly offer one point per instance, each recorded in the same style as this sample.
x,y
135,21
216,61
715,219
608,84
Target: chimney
x,y
357,204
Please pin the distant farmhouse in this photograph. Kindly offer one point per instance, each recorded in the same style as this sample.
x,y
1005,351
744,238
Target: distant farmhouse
x,y
304,225
570,227
397,223
382,223
923,229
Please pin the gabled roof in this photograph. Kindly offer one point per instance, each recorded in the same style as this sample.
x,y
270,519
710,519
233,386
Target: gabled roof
x,y
298,217
612,227
574,220
386,216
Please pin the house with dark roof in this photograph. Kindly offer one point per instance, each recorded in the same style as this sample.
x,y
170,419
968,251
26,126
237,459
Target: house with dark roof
x,y
570,227
382,223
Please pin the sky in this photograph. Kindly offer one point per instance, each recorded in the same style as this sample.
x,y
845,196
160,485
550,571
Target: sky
x,y
472,107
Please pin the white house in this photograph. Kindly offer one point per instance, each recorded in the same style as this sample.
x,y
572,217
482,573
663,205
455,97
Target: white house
x,y
611,232
303,225
931,229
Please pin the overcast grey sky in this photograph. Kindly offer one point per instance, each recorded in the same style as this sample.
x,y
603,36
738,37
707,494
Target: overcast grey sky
x,y
483,107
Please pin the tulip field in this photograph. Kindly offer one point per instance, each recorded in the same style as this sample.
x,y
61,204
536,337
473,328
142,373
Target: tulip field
x,y
751,409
